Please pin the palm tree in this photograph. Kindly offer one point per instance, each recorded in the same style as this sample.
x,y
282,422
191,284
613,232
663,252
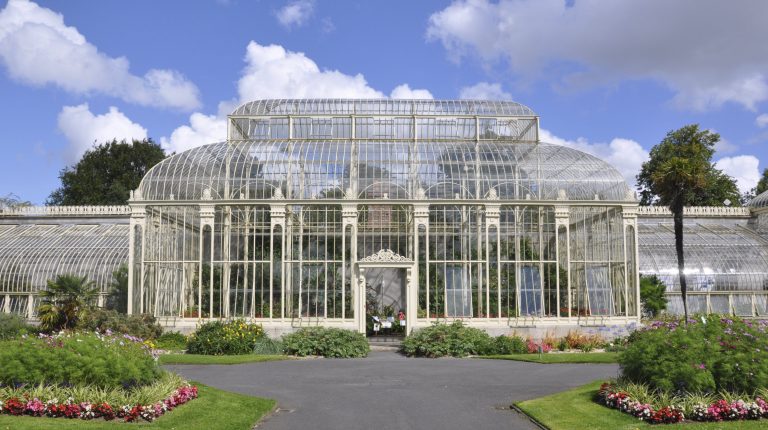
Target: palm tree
x,y
66,301
680,173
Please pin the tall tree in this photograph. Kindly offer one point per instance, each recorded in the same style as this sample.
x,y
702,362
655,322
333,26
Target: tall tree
x,y
11,201
106,174
679,173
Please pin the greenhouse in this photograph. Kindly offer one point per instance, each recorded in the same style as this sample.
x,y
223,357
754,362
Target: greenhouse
x,y
346,212
334,211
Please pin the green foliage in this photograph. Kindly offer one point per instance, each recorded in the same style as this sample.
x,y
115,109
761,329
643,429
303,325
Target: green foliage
x,y
152,393
680,170
172,340
144,326
13,326
326,342
118,290
455,340
652,295
225,338
268,346
708,355
508,345
67,299
107,173
77,359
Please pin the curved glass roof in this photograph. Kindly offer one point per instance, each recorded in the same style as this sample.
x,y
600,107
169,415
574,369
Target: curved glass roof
x,y
317,169
33,253
381,107
760,201
720,254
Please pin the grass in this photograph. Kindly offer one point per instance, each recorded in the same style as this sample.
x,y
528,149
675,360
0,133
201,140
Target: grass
x,y
565,357
574,410
211,410
218,359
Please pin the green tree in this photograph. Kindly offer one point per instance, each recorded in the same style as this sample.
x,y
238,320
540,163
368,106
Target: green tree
x,y
652,295
762,186
679,173
67,300
106,174
11,201
118,290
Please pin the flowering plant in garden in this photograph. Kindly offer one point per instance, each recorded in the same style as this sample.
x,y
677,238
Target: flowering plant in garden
x,y
719,410
88,411
225,338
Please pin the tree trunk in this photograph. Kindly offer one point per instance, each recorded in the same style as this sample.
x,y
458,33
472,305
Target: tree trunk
x,y
677,213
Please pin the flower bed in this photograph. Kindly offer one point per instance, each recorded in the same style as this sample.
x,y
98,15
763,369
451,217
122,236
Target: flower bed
x,y
719,410
87,411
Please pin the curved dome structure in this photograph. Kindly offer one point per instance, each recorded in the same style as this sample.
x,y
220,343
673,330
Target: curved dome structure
x,y
335,211
760,201
313,169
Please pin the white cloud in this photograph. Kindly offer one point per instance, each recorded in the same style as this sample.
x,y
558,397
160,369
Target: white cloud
x,y
743,168
295,13
272,72
762,120
484,91
404,91
37,48
707,51
202,129
626,155
83,129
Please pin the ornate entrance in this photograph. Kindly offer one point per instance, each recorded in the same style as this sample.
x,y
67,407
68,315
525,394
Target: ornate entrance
x,y
387,276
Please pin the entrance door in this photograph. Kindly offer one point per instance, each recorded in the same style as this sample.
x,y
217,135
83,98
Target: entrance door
x,y
385,300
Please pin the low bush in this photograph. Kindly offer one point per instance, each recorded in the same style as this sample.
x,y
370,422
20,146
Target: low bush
x,y
172,341
78,359
710,354
268,346
455,340
13,326
509,345
225,338
326,342
144,326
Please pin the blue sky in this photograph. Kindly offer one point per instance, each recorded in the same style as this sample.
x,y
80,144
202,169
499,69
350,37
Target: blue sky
x,y
610,78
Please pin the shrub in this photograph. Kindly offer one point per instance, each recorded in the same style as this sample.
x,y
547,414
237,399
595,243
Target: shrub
x,y
65,301
711,354
225,338
268,346
456,340
77,359
652,295
12,326
171,340
144,326
533,347
509,345
326,342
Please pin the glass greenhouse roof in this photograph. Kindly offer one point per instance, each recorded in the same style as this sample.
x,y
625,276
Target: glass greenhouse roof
x,y
33,253
381,107
317,169
760,201
720,254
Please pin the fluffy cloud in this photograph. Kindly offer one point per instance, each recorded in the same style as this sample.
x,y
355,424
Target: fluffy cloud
x,y
274,72
762,120
83,129
743,168
404,91
718,57
626,155
202,129
38,49
484,91
295,13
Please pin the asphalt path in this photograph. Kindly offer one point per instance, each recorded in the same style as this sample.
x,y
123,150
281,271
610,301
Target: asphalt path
x,y
389,391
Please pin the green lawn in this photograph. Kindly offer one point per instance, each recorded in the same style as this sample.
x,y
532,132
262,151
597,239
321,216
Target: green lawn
x,y
218,359
213,409
575,410
566,357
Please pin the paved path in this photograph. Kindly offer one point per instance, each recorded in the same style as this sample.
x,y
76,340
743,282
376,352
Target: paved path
x,y
388,391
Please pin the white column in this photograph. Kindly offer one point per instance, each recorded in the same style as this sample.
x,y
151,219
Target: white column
x,y
137,219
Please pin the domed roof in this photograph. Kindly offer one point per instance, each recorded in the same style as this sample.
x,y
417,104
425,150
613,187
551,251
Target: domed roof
x,y
370,169
760,201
